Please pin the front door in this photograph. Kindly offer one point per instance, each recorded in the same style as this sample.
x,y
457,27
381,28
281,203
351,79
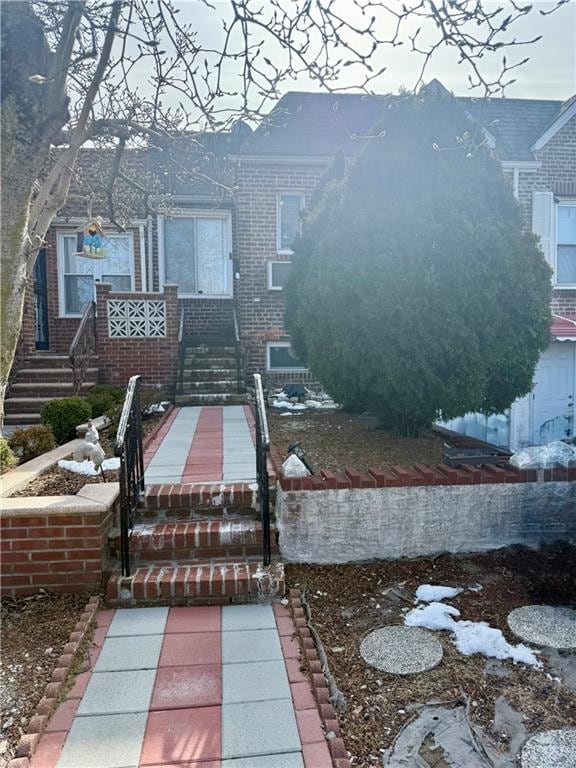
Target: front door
x,y
41,300
553,395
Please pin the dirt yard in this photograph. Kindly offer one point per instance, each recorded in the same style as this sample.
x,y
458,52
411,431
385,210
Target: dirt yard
x,y
34,631
60,482
348,602
336,440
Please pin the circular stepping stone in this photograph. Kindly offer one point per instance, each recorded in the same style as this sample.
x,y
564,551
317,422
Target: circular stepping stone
x,y
550,749
548,625
401,650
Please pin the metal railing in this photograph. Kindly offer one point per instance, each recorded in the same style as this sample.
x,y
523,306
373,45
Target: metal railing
x,y
262,450
83,347
238,349
181,350
128,447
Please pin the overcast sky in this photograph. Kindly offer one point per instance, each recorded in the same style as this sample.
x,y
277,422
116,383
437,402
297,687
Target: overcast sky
x,y
550,73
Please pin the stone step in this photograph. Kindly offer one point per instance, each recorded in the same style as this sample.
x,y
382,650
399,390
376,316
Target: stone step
x,y
206,387
54,374
209,374
25,404
21,419
47,389
197,540
209,350
197,584
47,360
211,399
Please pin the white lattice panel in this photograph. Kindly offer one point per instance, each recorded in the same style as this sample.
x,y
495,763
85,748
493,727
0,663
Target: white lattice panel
x,y
136,318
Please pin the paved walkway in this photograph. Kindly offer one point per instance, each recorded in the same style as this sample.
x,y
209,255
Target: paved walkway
x,y
202,687
202,445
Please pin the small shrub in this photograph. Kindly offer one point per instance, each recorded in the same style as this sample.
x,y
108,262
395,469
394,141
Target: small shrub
x,y
32,441
7,458
104,397
64,415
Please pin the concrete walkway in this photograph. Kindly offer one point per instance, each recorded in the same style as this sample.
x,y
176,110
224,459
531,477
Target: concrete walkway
x,y
202,687
202,445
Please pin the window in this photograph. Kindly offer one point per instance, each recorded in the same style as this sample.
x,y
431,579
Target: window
x,y
290,207
197,254
566,243
77,274
278,272
280,358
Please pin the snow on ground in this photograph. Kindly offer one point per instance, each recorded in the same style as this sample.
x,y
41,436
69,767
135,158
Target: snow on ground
x,y
427,593
87,467
470,637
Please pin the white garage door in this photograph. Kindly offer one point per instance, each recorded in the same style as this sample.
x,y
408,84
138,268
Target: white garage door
x,y
553,394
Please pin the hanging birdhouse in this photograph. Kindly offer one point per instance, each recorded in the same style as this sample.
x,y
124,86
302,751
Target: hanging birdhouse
x,y
90,240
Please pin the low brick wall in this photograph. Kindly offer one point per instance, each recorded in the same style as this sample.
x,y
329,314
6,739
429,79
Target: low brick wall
x,y
421,511
58,543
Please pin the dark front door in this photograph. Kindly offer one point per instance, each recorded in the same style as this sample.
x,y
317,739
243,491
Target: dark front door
x,y
41,300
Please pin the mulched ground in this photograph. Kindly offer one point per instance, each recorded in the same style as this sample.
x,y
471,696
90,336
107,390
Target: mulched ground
x,y
59,482
34,632
347,602
337,440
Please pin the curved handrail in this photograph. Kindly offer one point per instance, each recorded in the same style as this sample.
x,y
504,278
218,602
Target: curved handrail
x,y
83,346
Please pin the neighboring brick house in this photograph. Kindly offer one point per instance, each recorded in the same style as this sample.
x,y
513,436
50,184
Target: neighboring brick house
x,y
228,250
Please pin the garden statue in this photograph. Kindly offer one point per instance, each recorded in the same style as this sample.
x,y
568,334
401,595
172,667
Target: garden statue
x,y
91,451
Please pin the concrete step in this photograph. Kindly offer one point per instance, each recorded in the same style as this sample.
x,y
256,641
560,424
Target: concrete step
x,y
25,404
209,363
231,581
197,540
21,419
209,350
47,360
209,374
47,389
54,374
204,387
211,399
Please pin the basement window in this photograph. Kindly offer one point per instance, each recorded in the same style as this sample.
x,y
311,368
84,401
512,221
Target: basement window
x,y
278,273
281,359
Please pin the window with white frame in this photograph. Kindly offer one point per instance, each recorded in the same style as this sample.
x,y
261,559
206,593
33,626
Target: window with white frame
x,y
289,225
196,254
77,274
566,243
278,273
281,359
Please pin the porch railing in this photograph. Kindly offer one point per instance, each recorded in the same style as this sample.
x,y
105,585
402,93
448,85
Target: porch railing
x,y
238,350
262,450
128,447
83,347
181,350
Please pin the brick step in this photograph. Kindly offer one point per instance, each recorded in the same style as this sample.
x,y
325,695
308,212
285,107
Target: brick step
x,y
203,387
210,374
54,374
20,419
197,540
197,584
201,500
209,363
214,398
31,405
47,389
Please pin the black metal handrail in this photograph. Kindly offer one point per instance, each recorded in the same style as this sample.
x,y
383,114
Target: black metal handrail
x,y
83,347
181,350
238,349
262,450
128,447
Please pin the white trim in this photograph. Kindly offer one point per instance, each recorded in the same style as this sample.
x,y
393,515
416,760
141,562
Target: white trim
x,y
269,368
526,166
59,258
190,213
150,255
284,159
77,221
271,286
295,193
556,285
553,129
143,270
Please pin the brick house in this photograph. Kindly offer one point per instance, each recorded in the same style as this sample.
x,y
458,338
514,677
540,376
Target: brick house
x,y
178,291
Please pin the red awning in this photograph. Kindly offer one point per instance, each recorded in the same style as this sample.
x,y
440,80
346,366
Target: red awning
x,y
564,327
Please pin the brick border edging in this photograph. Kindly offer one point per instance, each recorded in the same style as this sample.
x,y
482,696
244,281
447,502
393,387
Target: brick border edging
x,y
420,475
317,681
49,701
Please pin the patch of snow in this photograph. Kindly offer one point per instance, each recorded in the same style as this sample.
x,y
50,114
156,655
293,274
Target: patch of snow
x,y
428,593
470,636
293,467
87,467
288,405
